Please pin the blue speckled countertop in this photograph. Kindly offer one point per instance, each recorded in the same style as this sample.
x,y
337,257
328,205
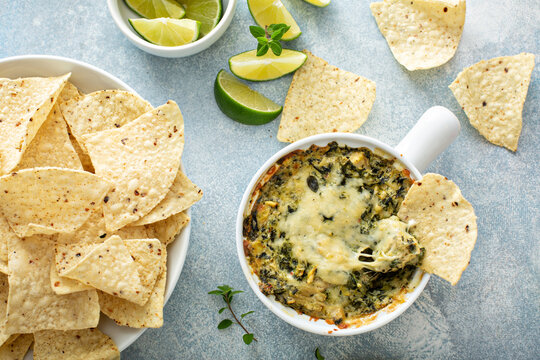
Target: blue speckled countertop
x,y
494,311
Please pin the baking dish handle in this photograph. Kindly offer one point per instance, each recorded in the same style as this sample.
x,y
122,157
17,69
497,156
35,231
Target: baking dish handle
x,y
431,135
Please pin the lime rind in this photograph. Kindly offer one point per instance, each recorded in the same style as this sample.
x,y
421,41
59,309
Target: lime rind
x,y
167,32
274,12
265,64
240,103
153,9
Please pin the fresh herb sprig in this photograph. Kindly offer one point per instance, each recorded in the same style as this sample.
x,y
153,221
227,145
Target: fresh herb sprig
x,y
268,38
227,293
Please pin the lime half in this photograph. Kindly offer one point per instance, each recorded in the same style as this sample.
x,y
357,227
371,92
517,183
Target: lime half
x,y
242,104
167,32
249,66
319,3
268,12
152,9
207,12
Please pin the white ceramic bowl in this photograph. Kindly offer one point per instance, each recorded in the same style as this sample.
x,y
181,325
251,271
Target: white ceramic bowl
x,y
120,13
433,133
89,78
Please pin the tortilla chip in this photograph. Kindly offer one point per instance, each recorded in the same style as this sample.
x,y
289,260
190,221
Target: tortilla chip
x,y
102,110
131,156
32,304
4,291
69,92
126,313
51,146
422,34
17,347
182,195
62,285
132,232
49,200
148,256
24,106
87,344
93,231
5,235
108,267
323,98
83,156
166,230
444,223
492,94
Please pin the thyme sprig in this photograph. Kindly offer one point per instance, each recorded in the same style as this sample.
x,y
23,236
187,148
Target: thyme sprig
x,y
227,293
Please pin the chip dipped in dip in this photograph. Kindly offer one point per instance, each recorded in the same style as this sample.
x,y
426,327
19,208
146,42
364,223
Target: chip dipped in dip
x,y
323,236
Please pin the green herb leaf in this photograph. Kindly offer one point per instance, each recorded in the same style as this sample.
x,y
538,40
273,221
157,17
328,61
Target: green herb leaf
x,y
236,292
246,314
279,31
262,49
262,40
257,31
276,47
276,27
318,354
215,292
248,338
224,324
222,310
224,288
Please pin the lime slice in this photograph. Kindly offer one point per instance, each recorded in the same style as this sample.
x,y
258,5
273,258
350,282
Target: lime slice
x,y
152,9
167,32
268,12
208,12
242,104
319,3
249,66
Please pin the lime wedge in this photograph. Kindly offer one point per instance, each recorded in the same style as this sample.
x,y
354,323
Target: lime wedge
x,y
208,12
152,9
268,12
242,104
249,66
319,3
167,32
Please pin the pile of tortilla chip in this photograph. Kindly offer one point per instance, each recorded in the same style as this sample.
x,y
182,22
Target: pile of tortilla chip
x,y
421,34
91,194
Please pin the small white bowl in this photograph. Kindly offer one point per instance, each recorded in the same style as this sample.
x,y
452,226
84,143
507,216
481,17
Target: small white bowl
x,y
433,133
120,13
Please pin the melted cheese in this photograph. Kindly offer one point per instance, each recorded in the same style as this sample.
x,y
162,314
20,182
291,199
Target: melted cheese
x,y
333,246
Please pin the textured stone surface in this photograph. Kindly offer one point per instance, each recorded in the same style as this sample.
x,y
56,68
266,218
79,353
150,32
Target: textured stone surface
x,y
492,313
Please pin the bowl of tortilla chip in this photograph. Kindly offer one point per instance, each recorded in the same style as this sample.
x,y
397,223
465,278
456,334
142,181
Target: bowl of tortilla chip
x,y
64,92
295,262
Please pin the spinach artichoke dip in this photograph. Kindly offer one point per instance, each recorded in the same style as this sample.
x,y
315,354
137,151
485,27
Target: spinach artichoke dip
x,y
322,233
